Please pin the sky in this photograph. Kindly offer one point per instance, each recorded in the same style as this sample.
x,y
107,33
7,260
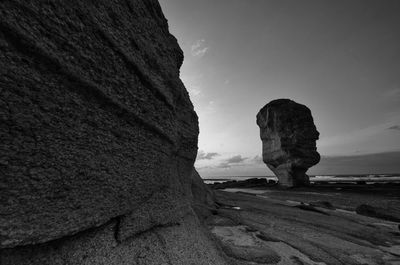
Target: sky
x,y
340,58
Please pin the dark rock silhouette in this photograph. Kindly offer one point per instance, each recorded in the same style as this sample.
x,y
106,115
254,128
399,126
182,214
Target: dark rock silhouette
x,y
289,137
244,184
98,137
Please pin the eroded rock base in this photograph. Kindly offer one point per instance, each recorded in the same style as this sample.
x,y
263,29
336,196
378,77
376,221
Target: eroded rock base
x,y
182,243
291,177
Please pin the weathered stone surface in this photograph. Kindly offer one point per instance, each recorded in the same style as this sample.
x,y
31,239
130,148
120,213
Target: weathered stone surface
x,y
390,211
289,137
323,204
306,237
201,193
243,245
203,198
97,132
184,244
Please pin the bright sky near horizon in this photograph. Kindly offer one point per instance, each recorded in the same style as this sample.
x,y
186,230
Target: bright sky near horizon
x,y
340,58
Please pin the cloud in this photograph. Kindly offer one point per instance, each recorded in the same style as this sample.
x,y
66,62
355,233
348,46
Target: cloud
x,y
223,165
201,155
208,109
344,143
193,81
387,162
199,49
237,161
373,163
234,160
194,91
394,127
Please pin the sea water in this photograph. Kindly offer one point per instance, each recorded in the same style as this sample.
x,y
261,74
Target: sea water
x,y
368,178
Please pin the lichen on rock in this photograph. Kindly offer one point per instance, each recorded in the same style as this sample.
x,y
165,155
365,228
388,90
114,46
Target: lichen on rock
x,y
288,137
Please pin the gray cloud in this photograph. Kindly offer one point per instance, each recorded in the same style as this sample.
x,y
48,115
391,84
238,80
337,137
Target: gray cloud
x,y
198,49
234,160
201,155
387,162
223,165
394,127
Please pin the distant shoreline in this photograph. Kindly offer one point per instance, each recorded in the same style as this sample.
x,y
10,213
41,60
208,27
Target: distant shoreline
x,y
367,178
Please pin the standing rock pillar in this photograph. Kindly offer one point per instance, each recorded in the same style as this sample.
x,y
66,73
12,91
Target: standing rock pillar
x,y
289,137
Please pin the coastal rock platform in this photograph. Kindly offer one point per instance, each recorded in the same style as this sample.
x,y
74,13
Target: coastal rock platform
x,y
280,232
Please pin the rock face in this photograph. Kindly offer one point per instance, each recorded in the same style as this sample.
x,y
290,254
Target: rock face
x,y
98,137
203,198
289,137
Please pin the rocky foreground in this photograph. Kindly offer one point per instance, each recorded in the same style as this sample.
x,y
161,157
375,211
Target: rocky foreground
x,y
307,226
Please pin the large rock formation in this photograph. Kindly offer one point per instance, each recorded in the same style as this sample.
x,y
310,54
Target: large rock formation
x,y
289,137
98,137
203,198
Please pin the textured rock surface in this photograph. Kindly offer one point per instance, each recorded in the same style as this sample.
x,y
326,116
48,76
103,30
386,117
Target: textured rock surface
x,y
390,211
98,136
306,237
203,198
289,137
201,193
242,245
185,244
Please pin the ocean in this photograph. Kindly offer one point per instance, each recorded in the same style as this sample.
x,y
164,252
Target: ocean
x,y
368,178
